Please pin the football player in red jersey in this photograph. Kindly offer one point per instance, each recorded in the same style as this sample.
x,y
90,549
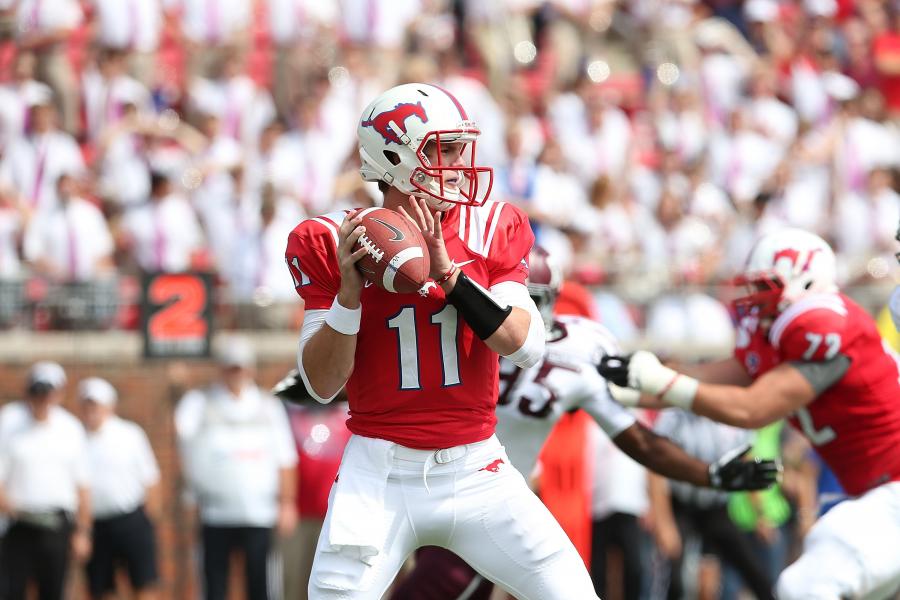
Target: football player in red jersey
x,y
421,370
807,352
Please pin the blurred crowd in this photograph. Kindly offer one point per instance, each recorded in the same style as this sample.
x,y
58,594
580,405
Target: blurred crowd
x,y
650,141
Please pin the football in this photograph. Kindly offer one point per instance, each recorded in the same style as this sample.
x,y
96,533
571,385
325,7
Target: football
x,y
396,257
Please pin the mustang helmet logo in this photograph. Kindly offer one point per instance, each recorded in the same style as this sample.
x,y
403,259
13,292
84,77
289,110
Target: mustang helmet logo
x,y
399,114
794,256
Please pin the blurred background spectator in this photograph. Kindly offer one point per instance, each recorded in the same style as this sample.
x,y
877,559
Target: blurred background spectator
x,y
124,489
44,488
239,460
650,142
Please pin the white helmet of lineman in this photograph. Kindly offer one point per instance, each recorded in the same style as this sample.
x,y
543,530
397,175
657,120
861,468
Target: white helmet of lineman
x,y
396,127
784,266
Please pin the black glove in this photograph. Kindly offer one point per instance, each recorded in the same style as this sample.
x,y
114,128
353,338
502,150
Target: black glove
x,y
291,389
614,368
730,473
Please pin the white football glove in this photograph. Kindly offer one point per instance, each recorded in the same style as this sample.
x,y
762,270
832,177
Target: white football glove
x,y
643,371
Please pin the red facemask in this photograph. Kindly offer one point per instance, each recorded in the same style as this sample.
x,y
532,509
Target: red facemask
x,y
468,187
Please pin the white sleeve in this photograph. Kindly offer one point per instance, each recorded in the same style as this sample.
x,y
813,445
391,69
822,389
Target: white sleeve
x,y
611,416
147,468
81,464
285,449
512,293
189,415
313,320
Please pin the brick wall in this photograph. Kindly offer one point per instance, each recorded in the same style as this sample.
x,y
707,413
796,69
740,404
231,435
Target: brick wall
x,y
148,392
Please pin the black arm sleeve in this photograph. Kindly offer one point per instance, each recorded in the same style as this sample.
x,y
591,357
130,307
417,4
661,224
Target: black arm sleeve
x,y
474,303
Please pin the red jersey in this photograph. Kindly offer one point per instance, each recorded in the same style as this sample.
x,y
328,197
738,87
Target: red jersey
x,y
320,435
855,423
421,377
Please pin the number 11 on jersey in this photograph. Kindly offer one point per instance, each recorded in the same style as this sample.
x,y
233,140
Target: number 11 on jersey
x,y
404,322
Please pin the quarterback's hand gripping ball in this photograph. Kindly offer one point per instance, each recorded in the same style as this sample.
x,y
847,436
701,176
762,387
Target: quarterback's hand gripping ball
x,y
396,258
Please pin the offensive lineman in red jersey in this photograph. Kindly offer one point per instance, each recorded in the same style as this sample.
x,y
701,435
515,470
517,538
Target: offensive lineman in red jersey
x,y
421,370
807,352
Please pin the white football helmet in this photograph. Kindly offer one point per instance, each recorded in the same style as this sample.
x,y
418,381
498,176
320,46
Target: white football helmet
x,y
393,132
545,279
784,266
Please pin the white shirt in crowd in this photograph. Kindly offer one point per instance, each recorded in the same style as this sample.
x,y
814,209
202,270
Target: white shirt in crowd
x,y
42,464
292,21
232,450
14,106
603,149
125,169
48,15
213,21
242,107
379,23
32,165
257,265
10,230
105,100
122,467
129,24
73,238
164,234
703,439
693,320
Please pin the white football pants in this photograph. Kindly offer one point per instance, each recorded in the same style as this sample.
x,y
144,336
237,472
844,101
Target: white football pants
x,y
475,506
853,551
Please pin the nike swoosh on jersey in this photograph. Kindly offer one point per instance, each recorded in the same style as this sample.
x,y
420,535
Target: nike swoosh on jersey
x,y
464,263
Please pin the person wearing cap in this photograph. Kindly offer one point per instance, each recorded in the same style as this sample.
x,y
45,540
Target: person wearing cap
x,y
43,488
124,477
239,459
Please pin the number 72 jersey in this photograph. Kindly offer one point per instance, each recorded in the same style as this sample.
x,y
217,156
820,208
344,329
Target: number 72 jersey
x,y
855,423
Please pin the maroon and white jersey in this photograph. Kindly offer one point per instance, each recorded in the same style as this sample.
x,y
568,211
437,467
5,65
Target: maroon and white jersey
x,y
531,401
421,377
855,423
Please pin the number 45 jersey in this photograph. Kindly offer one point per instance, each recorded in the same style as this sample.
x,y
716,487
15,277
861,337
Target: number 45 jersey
x,y
855,423
531,401
421,378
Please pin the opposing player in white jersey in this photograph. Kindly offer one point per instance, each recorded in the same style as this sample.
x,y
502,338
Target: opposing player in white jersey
x,y
532,400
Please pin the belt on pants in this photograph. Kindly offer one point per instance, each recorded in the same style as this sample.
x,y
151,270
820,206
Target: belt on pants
x,y
430,458
52,520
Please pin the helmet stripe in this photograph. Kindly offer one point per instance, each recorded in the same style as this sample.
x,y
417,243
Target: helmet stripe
x,y
462,111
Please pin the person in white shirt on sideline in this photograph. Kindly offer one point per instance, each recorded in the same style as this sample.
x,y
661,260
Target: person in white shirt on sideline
x,y
124,477
239,459
43,488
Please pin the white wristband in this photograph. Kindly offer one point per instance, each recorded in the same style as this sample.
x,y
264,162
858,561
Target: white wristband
x,y
681,391
343,320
